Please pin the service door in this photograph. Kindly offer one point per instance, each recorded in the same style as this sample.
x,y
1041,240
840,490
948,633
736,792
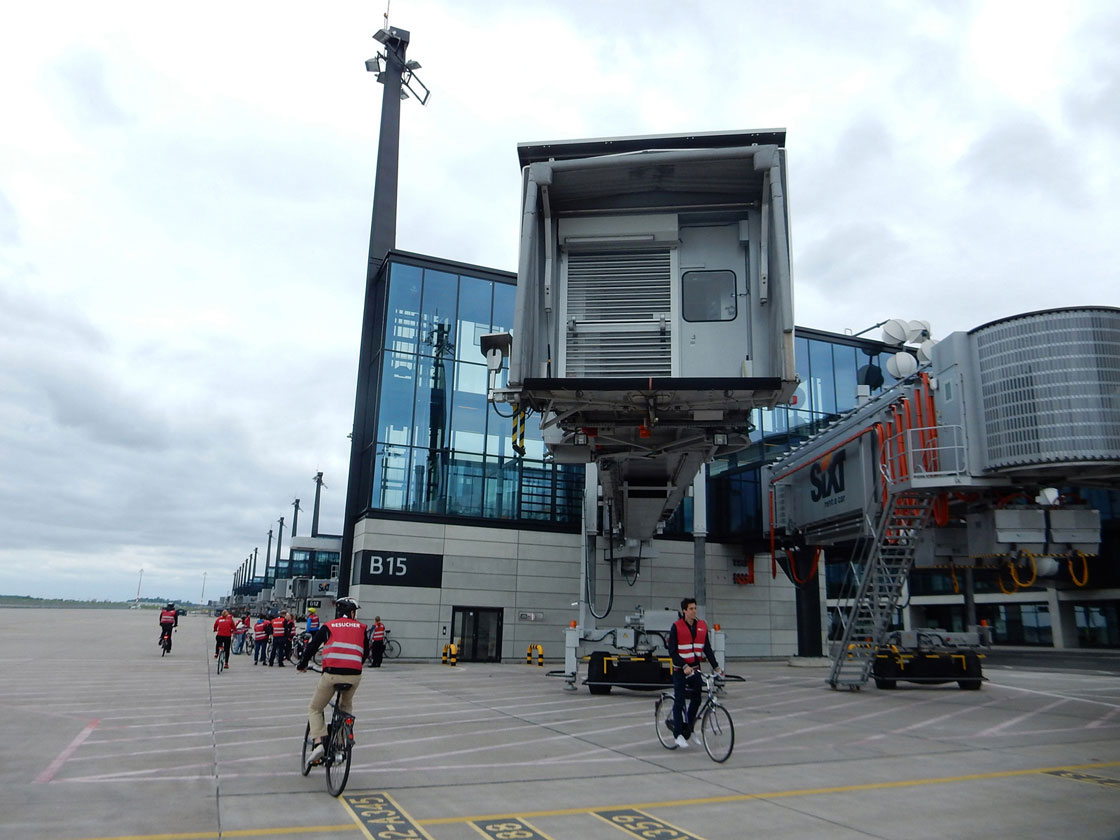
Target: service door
x,y
712,284
477,632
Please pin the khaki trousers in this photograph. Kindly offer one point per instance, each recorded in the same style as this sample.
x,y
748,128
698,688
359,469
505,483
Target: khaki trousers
x,y
322,696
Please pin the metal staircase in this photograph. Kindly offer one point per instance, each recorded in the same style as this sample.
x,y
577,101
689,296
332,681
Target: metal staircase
x,y
889,557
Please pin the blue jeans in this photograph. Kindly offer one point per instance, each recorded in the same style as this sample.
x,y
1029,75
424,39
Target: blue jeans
x,y
258,652
685,687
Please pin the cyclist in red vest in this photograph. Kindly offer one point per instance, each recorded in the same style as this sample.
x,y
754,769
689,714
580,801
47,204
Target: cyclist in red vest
x,y
168,620
688,646
223,632
377,642
345,648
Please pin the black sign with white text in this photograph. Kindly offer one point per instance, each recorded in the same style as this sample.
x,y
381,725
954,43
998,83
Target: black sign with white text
x,y
399,568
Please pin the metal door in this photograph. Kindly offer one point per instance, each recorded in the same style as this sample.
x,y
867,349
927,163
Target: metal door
x,y
477,632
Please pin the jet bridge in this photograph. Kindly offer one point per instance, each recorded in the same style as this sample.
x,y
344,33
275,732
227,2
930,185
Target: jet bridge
x,y
654,307
952,467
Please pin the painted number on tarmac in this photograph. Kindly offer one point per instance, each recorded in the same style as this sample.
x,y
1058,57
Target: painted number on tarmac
x,y
1085,777
383,818
508,829
642,825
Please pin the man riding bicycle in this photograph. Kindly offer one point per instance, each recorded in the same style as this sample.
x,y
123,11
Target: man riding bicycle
x,y
688,645
345,648
168,621
223,632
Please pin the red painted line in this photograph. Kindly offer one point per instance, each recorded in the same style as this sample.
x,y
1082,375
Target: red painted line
x,y
64,756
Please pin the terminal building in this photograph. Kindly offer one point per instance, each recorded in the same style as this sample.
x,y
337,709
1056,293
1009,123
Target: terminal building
x,y
466,525
462,539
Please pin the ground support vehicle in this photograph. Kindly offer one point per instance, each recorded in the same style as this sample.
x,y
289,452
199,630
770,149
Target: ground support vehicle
x,y
717,731
929,656
338,744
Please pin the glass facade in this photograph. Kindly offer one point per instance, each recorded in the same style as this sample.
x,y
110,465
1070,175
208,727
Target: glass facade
x,y
440,448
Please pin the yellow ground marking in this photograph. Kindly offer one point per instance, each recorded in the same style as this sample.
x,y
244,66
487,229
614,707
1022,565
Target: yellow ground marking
x,y
668,803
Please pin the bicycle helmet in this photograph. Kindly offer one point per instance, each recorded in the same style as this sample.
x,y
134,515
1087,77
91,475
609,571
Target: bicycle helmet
x,y
345,606
311,609
170,605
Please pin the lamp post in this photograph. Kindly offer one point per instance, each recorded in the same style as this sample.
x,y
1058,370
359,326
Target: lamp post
x,y
398,74
202,597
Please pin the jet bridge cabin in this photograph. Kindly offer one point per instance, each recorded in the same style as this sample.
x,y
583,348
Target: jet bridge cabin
x,y
654,307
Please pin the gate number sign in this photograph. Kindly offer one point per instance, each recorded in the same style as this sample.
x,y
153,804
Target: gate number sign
x,y
399,568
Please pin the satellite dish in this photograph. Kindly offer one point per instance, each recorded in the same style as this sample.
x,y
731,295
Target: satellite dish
x,y
901,365
871,376
896,332
917,330
925,350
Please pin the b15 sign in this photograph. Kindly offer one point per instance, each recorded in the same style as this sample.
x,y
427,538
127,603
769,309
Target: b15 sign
x,y
398,568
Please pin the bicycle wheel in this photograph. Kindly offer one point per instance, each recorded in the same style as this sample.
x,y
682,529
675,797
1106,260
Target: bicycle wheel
x,y
718,733
338,757
303,766
166,645
662,714
221,660
392,648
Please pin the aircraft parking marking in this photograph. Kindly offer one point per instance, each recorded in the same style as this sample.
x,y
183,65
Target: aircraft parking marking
x,y
512,828
640,824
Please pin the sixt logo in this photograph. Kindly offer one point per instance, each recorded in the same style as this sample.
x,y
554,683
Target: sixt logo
x,y
827,476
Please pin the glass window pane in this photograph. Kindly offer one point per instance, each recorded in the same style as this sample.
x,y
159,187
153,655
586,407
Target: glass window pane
x,y
844,359
802,397
822,384
438,313
708,296
474,317
403,318
505,296
432,416
394,422
390,477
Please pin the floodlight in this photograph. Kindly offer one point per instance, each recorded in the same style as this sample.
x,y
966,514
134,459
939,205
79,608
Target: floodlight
x,y
382,36
371,65
412,65
896,331
901,365
404,95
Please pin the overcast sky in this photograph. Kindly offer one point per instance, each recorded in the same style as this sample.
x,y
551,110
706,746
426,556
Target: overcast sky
x,y
185,195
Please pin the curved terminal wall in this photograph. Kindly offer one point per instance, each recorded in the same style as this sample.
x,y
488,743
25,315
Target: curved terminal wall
x,y
1050,387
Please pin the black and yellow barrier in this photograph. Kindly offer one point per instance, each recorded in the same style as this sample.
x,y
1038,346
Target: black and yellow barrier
x,y
540,655
450,654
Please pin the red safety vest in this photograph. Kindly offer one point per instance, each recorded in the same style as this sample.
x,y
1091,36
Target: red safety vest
x,y
278,626
691,651
167,616
260,630
346,646
224,626
313,621
379,632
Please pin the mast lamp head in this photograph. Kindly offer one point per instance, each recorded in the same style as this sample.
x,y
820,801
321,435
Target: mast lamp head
x,y
384,36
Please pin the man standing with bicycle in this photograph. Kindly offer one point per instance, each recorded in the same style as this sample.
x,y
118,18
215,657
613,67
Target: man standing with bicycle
x,y
345,648
688,645
377,642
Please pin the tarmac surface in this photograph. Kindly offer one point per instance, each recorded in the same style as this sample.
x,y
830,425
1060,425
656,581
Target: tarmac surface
x,y
104,738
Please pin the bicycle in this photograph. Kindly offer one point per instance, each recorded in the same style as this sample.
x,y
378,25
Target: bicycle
x,y
338,744
301,643
392,646
716,729
165,642
223,658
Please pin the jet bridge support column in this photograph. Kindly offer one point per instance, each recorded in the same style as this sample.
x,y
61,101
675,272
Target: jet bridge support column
x,y
700,539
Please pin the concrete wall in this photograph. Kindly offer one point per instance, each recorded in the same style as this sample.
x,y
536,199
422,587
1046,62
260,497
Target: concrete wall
x,y
538,572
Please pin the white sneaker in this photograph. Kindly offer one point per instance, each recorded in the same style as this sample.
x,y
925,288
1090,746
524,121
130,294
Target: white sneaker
x,y
681,742
316,753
